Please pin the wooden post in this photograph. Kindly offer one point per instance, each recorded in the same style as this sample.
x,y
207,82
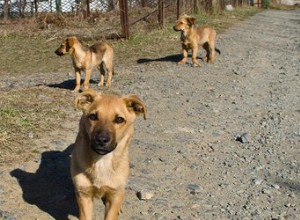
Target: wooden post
x,y
124,17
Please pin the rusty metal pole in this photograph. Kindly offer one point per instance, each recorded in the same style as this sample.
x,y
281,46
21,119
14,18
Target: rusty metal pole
x,y
124,17
195,6
161,13
87,8
178,9
5,10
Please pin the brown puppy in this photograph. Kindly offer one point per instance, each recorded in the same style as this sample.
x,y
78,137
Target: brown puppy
x,y
192,38
86,58
100,163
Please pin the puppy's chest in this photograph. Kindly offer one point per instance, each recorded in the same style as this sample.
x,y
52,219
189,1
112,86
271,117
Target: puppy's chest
x,y
101,173
79,62
105,173
187,41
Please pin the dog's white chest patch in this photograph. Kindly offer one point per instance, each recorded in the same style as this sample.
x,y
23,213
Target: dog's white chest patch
x,y
103,171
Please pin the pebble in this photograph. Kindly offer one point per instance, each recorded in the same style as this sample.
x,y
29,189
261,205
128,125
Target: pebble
x,y
145,195
275,186
257,181
266,191
194,188
244,138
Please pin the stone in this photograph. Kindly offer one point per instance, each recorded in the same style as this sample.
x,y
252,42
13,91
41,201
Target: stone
x,y
145,195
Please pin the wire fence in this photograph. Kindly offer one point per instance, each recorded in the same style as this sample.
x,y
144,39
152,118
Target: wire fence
x,y
22,8
87,9
28,8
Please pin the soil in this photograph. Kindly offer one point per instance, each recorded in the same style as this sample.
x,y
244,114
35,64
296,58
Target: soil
x,y
220,141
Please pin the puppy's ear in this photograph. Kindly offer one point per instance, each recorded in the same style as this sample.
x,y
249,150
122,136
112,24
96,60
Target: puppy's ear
x,y
85,99
71,41
134,103
191,21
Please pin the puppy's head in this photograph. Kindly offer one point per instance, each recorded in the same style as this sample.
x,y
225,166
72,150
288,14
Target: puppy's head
x,y
184,23
66,46
108,119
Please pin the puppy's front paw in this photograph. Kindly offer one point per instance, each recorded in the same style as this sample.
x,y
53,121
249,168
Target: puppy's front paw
x,y
76,90
182,62
196,65
85,88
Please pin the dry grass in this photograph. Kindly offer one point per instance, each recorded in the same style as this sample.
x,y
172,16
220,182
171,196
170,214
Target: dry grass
x,y
28,114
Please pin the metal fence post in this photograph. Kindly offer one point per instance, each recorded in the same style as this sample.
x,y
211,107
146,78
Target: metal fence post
x,y
5,10
161,13
87,8
178,9
124,17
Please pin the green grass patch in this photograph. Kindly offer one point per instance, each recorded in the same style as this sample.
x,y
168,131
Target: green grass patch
x,y
28,114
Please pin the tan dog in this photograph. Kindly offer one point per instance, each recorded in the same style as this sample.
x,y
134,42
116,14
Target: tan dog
x,y
192,38
100,163
87,58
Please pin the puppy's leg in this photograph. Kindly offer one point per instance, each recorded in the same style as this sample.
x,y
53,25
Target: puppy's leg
x,y
194,56
109,69
185,54
86,82
211,52
85,204
102,73
113,205
211,46
77,80
206,48
211,55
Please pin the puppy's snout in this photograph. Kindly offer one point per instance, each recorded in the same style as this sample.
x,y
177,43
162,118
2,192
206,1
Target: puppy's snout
x,y
175,28
102,139
103,142
58,52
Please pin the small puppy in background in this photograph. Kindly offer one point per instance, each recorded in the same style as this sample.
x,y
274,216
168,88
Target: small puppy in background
x,y
193,37
100,161
87,58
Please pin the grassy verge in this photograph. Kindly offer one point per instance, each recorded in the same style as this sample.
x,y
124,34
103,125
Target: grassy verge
x,y
28,114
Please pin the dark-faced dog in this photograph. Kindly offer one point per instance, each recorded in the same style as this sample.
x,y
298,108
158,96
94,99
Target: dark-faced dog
x,y
100,162
86,58
193,37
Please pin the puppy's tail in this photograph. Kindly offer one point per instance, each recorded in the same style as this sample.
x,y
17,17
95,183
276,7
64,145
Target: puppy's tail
x,y
218,51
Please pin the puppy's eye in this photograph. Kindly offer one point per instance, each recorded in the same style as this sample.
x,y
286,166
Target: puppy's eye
x,y
93,117
119,120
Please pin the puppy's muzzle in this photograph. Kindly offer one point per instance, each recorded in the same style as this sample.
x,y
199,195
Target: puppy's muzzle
x,y
175,29
103,143
59,52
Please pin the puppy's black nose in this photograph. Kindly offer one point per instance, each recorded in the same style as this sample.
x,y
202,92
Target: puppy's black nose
x,y
58,52
102,139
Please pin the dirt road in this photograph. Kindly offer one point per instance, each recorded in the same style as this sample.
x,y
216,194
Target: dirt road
x,y
220,142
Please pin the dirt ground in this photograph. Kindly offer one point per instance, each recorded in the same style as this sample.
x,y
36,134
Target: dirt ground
x,y
220,142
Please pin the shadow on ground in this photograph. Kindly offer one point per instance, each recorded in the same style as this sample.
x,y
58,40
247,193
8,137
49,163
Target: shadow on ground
x,y
50,188
291,185
171,58
69,84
